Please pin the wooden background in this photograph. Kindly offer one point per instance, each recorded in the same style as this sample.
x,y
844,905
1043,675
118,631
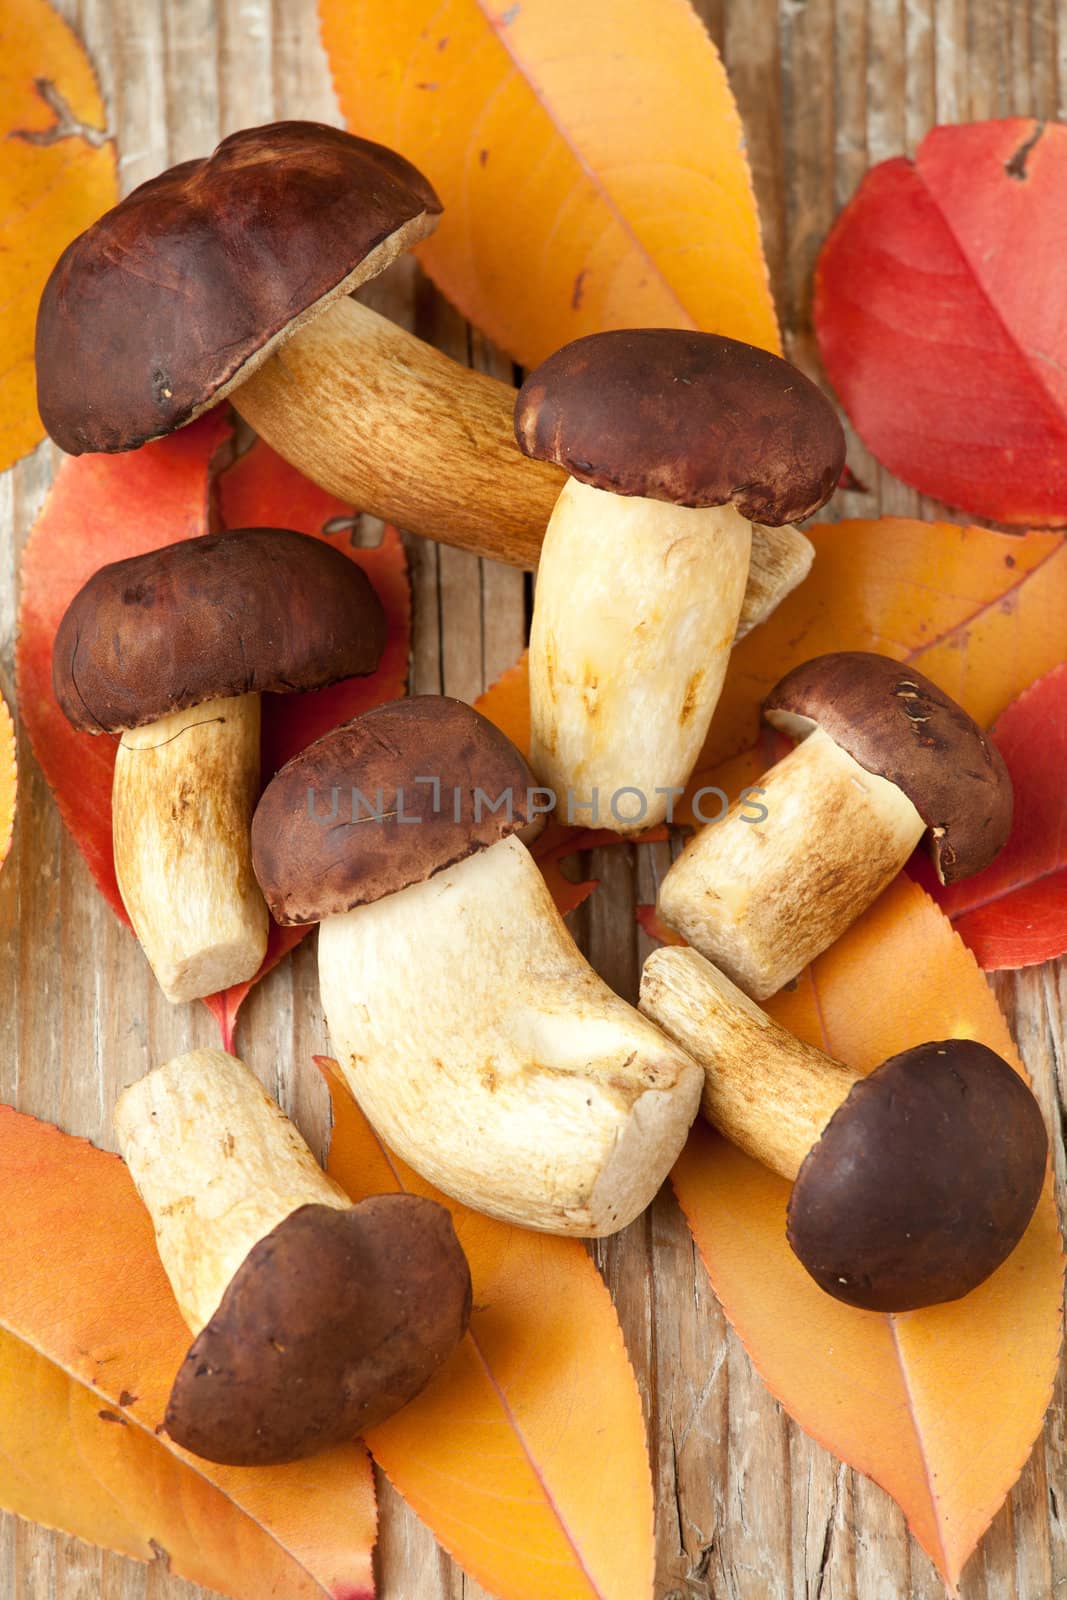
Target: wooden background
x,y
748,1507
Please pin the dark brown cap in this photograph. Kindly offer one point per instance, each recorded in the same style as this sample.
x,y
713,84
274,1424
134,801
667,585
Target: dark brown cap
x,y
180,291
900,726
693,418
256,609
332,1322
924,1180
383,802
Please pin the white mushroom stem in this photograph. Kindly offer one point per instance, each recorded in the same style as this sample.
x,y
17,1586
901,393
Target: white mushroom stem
x,y
767,1091
635,613
488,1053
762,898
386,422
218,1166
181,808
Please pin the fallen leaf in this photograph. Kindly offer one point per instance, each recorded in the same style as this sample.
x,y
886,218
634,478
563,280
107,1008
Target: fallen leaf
x,y
90,1340
103,508
941,1406
8,780
57,174
1014,914
950,360
565,214
526,1455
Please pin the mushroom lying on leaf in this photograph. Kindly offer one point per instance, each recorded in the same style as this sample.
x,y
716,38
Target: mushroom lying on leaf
x,y
314,1319
676,444
232,277
172,649
479,1042
885,757
911,1185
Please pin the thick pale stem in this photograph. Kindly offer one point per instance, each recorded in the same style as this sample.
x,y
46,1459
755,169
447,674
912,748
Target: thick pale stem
x,y
635,613
762,898
768,1092
388,423
218,1165
493,1059
184,791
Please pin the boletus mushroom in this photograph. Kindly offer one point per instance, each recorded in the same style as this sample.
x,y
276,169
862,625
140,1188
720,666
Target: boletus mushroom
x,y
313,1318
172,650
885,756
479,1042
232,277
910,1186
676,443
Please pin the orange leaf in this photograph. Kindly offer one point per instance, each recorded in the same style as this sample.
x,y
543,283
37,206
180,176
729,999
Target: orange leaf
x,y
90,1340
526,1455
590,159
941,1406
57,174
8,780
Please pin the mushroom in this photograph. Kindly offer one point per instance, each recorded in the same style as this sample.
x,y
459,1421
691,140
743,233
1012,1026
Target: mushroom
x,y
232,276
172,649
676,444
313,1319
910,1186
885,757
479,1042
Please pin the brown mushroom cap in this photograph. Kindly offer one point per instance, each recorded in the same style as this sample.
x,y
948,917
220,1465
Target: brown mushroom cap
x,y
900,726
692,418
181,290
924,1179
257,609
332,1322
313,861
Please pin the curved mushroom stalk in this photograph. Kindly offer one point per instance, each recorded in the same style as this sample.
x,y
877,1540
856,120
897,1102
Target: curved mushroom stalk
x,y
911,1185
637,608
493,1059
762,898
184,792
314,1319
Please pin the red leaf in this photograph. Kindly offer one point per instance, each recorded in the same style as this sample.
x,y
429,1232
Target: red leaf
x,y
1015,913
103,508
950,360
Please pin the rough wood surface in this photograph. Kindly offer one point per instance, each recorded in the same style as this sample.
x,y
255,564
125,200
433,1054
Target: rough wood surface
x,y
749,1508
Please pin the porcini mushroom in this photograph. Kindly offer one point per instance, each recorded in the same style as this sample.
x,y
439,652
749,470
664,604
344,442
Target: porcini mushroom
x,y
314,1319
477,1039
172,649
676,444
910,1186
232,276
885,757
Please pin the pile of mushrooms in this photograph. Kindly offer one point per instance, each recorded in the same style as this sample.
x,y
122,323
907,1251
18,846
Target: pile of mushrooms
x,y
172,650
231,278
314,1319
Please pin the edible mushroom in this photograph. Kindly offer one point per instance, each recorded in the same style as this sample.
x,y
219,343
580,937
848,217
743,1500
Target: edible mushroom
x,y
910,1186
173,649
676,444
479,1042
885,757
232,277
314,1319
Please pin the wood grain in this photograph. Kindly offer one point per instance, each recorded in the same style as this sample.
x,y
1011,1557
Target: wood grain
x,y
749,1508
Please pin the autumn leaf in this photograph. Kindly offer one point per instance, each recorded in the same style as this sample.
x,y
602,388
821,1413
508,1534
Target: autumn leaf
x,y
590,159
8,780
90,1341
1014,914
526,1455
103,508
57,174
950,360
941,1406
